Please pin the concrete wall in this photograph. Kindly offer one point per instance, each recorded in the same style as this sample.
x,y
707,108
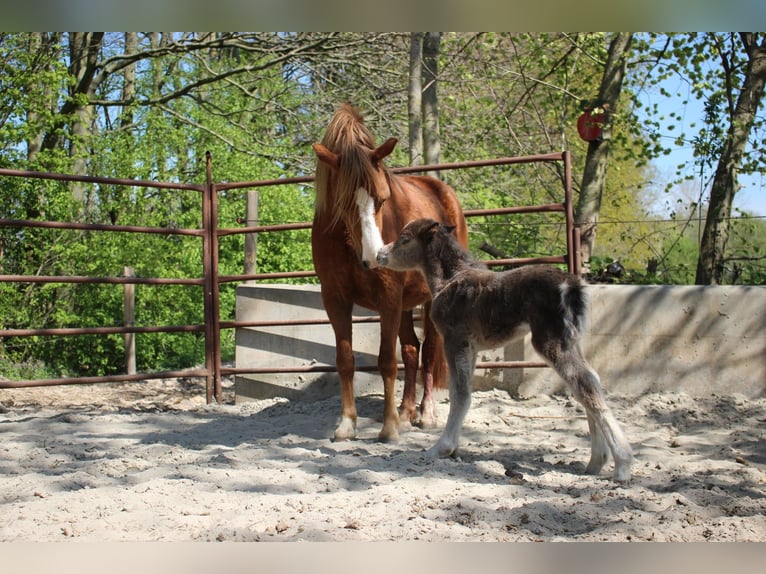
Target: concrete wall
x,y
295,346
699,340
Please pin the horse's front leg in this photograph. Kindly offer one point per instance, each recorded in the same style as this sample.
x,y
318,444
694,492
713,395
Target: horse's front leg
x,y
340,318
461,361
389,328
410,347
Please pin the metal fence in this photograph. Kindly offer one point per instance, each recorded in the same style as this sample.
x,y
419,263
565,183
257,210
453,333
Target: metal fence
x,y
211,279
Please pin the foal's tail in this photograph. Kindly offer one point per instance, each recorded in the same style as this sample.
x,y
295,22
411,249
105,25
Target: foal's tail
x,y
574,305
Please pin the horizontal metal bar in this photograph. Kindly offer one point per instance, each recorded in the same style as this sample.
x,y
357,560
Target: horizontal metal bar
x,y
72,331
544,208
550,157
264,183
99,227
369,368
265,228
526,260
95,179
298,322
104,280
105,379
257,276
295,274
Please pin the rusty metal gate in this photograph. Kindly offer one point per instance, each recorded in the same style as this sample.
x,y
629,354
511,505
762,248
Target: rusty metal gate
x,y
211,279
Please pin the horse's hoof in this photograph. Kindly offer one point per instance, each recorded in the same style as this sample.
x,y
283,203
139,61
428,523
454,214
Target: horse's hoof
x,y
404,425
389,436
346,430
407,417
427,421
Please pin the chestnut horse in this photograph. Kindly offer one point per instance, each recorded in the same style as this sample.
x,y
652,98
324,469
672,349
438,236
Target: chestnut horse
x,y
355,190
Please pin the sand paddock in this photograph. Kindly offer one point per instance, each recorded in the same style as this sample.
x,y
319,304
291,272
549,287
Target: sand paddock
x,y
150,461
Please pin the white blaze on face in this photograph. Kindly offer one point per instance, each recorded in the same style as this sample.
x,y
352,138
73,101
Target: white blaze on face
x,y
371,238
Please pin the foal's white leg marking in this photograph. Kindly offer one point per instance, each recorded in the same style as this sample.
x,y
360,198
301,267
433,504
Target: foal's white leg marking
x,y
371,238
606,433
599,449
461,366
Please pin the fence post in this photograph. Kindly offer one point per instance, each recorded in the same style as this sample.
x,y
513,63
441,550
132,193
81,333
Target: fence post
x,y
251,239
212,306
572,265
129,318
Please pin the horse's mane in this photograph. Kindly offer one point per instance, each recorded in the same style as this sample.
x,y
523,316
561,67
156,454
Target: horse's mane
x,y
349,138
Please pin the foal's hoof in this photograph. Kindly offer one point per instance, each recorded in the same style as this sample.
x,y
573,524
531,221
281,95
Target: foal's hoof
x,y
622,474
440,450
427,419
595,464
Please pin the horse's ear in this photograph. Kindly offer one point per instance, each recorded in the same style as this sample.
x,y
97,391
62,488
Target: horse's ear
x,y
384,149
326,156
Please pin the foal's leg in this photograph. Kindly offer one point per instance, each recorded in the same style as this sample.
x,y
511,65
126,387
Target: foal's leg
x,y
410,347
606,433
461,360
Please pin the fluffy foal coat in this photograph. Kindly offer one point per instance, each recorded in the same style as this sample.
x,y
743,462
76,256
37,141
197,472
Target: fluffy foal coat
x,y
475,308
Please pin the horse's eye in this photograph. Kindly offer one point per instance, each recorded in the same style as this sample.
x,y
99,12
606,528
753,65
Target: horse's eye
x,y
404,240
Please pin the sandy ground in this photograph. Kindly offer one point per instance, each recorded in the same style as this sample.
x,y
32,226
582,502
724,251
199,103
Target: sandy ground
x,y
151,461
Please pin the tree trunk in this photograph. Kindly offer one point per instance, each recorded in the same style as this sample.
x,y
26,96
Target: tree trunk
x,y
710,265
431,138
83,57
415,99
594,173
129,80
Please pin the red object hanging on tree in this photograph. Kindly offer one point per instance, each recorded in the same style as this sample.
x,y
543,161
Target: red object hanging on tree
x,y
590,124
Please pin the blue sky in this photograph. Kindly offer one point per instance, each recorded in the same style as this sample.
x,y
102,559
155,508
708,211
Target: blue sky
x,y
752,195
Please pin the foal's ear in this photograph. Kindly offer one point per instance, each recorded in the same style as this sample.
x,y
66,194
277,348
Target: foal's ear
x,y
384,149
326,156
449,229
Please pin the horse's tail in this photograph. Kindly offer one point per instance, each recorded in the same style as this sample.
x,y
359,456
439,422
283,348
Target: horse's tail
x,y
574,306
441,378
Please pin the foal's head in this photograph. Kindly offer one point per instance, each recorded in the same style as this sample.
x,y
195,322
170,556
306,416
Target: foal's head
x,y
419,241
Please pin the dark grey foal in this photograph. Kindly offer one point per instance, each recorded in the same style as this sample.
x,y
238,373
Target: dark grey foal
x,y
475,308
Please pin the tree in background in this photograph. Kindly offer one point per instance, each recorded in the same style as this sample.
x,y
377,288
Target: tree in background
x,y
422,99
740,94
597,158
148,106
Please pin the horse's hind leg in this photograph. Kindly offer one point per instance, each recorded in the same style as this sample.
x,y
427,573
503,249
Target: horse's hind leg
x,y
410,347
461,360
434,368
599,449
606,433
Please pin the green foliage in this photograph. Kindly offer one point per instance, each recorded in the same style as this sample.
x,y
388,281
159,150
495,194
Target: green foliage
x,y
256,102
